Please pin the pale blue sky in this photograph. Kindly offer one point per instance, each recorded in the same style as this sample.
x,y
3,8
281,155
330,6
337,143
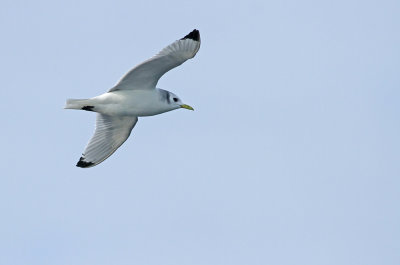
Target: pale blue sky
x,y
290,157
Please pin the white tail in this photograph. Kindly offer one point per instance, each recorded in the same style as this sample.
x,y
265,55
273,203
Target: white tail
x,y
75,103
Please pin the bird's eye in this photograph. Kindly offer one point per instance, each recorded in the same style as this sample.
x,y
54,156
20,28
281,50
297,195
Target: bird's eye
x,y
175,99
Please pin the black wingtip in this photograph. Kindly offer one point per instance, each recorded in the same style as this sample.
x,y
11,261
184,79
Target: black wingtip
x,y
83,164
194,35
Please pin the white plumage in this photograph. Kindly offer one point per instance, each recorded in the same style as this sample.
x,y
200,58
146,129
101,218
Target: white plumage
x,y
135,95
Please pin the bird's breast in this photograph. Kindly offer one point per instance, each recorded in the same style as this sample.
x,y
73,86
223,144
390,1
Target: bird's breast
x,y
135,103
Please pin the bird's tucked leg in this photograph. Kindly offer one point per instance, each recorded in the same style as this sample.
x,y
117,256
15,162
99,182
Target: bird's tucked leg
x,y
88,108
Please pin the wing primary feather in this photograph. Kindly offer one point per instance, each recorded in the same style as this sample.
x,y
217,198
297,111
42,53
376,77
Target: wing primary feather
x,y
111,132
194,35
83,164
147,74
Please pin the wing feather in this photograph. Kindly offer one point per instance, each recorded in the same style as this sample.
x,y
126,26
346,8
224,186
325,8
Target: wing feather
x,y
111,132
147,74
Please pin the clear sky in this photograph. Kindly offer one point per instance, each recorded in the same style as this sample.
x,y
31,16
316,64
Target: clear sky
x,y
290,157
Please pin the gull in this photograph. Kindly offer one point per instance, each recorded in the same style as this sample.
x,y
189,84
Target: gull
x,y
135,95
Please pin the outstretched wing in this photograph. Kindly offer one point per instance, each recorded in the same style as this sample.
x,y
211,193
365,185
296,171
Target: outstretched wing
x,y
147,74
111,132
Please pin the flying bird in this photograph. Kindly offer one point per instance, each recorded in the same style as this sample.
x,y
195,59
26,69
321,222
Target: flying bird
x,y
135,95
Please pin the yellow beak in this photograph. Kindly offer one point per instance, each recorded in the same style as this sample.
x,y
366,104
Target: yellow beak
x,y
186,107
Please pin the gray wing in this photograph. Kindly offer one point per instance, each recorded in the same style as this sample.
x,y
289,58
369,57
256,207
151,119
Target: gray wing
x,y
111,132
147,74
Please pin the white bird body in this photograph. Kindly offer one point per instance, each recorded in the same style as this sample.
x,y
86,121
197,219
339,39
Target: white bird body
x,y
135,95
126,103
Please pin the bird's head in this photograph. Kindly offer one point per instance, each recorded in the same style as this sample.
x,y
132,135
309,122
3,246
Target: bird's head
x,y
175,102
